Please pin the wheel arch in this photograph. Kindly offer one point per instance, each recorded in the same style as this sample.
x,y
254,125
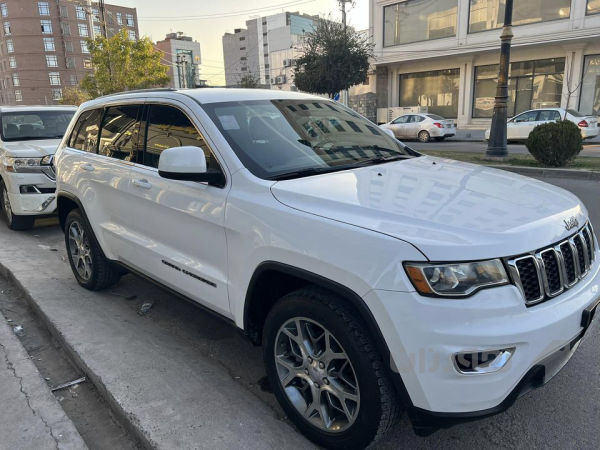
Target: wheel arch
x,y
65,203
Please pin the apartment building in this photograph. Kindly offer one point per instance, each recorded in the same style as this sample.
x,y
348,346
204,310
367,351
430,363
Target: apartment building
x,y
266,49
183,56
43,45
443,54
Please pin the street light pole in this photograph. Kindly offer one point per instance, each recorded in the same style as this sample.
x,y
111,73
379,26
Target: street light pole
x,y
497,143
344,94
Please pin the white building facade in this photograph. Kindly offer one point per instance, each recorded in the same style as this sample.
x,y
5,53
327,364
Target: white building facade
x,y
443,54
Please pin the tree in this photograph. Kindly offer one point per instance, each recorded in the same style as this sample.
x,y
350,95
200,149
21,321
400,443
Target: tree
x,y
121,64
74,96
249,82
335,58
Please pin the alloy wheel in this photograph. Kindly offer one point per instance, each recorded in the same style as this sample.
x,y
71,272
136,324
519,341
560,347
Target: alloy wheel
x,y
79,248
6,205
317,374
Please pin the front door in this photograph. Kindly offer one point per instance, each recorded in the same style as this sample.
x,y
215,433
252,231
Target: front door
x,y
178,226
399,126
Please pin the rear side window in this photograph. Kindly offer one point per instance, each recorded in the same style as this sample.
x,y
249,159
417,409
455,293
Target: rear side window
x,y
169,127
549,115
120,132
85,133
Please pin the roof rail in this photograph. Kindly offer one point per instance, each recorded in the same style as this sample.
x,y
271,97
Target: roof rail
x,y
137,91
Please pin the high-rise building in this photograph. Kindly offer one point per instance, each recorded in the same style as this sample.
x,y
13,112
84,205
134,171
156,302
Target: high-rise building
x,y
43,46
266,49
183,56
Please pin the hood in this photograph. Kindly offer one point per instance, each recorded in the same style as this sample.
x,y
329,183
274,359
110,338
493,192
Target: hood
x,y
31,149
448,209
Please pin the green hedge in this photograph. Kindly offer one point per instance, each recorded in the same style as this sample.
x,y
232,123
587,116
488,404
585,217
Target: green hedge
x,y
555,144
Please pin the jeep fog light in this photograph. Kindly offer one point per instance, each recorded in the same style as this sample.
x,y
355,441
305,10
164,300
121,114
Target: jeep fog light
x,y
482,362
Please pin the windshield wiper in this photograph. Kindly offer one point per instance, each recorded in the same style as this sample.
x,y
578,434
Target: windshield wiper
x,y
305,172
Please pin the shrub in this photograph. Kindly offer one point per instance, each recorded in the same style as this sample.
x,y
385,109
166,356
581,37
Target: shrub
x,y
555,144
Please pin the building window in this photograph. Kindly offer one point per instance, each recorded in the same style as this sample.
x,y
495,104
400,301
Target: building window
x,y
57,94
49,45
489,14
593,7
419,20
84,47
18,95
531,84
3,10
69,46
65,28
242,48
87,64
95,13
83,29
243,38
73,80
97,30
12,62
69,62
54,78
119,19
80,12
51,61
6,27
244,69
15,80
10,47
437,90
43,8
64,11
243,58
130,21
590,87
131,34
46,26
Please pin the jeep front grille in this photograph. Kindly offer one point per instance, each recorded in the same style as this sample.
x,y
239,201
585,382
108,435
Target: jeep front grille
x,y
548,272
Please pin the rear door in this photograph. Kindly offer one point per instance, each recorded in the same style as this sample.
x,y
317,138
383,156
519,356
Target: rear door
x,y
547,116
178,226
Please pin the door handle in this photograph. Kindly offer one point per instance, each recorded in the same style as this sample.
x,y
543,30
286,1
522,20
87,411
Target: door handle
x,y
143,183
88,167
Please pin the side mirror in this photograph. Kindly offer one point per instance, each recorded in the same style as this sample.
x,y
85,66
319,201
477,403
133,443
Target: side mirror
x,y
188,164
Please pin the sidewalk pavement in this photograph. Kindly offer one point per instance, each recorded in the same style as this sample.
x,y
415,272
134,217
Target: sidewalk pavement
x,y
156,371
30,416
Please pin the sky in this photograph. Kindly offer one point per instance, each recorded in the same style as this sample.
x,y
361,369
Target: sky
x,y
206,21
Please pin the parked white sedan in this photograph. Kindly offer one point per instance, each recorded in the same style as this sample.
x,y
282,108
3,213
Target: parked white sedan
x,y
519,127
422,127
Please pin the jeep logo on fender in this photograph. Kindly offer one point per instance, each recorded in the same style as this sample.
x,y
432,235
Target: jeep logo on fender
x,y
571,223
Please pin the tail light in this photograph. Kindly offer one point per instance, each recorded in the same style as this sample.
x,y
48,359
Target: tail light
x,y
439,125
583,124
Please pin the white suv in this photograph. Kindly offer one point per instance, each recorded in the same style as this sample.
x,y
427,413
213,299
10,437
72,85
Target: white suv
x,y
29,136
373,276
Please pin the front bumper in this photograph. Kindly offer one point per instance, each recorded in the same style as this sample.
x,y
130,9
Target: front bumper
x,y
34,203
423,334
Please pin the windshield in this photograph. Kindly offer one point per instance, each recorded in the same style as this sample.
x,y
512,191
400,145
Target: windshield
x,y
435,117
279,139
28,125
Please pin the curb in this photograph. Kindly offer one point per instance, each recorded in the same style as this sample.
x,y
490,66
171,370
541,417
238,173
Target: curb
x,y
545,172
120,414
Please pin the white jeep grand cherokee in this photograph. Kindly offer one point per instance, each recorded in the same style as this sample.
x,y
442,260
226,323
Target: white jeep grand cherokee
x,y
373,276
29,136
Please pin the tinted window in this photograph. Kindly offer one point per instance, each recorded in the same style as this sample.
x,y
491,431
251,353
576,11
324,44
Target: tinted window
x,y
120,132
85,132
32,125
549,115
401,119
529,116
169,127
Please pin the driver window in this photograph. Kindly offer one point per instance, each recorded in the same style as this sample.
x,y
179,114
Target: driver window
x,y
401,119
529,116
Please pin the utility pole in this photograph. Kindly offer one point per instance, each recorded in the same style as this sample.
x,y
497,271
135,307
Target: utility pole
x,y
497,143
178,62
102,13
344,95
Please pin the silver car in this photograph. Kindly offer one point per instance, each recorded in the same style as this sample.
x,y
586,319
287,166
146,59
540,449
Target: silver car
x,y
423,127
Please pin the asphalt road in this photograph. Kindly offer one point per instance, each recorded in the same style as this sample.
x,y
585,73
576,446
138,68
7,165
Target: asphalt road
x,y
589,149
564,414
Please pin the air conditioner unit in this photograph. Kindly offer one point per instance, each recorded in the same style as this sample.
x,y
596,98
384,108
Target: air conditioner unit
x,y
287,62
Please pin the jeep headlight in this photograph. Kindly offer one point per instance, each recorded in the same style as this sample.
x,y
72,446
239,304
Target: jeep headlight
x,y
455,279
12,164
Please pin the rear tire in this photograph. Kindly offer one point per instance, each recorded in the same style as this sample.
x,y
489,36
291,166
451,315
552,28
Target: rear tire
x,y
91,268
334,361
14,222
424,136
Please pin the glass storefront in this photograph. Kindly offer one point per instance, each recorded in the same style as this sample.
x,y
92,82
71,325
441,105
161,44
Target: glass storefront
x,y
593,7
532,84
438,90
590,87
489,14
419,20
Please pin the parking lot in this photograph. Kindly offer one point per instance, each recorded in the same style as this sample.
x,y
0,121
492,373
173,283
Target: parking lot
x,y
185,379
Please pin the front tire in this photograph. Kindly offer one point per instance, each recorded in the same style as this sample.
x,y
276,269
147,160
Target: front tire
x,y
325,371
14,222
90,267
424,136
